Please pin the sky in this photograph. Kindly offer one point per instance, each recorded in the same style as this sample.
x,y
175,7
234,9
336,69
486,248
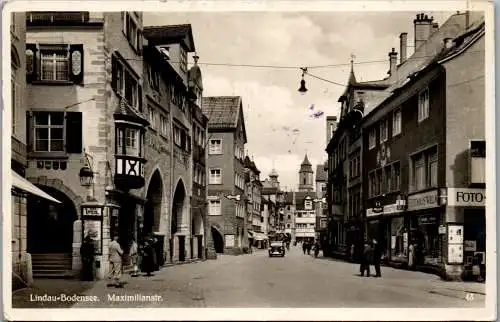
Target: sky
x,y
278,119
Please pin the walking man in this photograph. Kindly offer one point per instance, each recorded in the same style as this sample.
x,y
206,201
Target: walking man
x,y
377,255
115,262
365,260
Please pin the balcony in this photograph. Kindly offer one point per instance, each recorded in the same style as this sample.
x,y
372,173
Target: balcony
x,y
19,152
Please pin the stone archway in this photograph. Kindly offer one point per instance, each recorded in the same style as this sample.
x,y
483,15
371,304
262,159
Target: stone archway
x,y
50,226
177,221
218,240
153,206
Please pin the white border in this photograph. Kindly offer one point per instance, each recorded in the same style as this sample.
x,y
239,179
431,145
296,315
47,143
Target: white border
x,y
488,313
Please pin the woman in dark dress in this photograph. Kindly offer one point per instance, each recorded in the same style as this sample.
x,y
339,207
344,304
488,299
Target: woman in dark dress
x,y
87,252
147,257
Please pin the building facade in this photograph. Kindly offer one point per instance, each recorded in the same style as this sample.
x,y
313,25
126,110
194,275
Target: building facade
x,y
424,152
272,194
226,173
321,205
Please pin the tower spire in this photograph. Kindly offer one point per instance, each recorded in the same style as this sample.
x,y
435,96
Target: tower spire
x,y
352,77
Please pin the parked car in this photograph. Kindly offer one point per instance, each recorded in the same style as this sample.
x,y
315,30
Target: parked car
x,y
277,248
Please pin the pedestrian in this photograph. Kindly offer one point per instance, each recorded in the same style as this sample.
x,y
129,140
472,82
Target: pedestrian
x,y
147,262
87,252
115,261
377,255
134,258
304,247
309,245
365,260
316,248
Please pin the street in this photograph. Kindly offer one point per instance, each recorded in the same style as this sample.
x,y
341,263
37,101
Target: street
x,y
297,280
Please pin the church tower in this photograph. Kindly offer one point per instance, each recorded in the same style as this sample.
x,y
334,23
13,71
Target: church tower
x,y
306,176
274,178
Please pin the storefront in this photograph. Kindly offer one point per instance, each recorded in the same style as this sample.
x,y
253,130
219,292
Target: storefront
x,y
387,225
469,204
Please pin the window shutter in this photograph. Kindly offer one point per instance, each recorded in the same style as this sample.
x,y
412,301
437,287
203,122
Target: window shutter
x,y
114,71
76,63
29,130
31,64
74,132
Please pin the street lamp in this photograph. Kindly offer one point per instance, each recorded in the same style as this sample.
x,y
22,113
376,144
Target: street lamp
x,y
303,88
86,175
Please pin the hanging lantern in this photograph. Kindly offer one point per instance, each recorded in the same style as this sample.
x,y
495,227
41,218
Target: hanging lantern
x,y
303,88
86,176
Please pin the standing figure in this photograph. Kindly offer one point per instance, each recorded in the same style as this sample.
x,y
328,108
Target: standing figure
x,y
316,248
304,247
309,245
365,260
134,257
87,252
147,257
377,255
115,262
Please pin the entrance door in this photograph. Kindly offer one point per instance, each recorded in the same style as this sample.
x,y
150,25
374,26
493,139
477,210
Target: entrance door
x,y
49,225
182,248
200,246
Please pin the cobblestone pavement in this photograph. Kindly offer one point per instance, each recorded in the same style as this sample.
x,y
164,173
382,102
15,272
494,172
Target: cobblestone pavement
x,y
297,280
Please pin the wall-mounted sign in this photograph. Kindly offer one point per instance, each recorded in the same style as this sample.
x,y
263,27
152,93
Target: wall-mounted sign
x,y
442,229
455,254
88,211
427,220
423,200
229,240
456,234
465,197
470,245
93,229
390,209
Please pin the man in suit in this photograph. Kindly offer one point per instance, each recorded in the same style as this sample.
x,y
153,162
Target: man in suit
x,y
115,262
377,255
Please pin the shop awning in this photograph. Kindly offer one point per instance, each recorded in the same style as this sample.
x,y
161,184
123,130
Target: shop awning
x,y
23,184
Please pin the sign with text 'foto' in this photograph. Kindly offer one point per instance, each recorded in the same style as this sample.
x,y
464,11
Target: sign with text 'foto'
x,y
466,197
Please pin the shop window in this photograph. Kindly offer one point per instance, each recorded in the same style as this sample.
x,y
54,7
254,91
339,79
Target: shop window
x,y
399,239
427,240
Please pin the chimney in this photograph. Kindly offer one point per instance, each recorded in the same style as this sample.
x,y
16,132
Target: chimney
x,y
403,45
435,27
423,28
393,62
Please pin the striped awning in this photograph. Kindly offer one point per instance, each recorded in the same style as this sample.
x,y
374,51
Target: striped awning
x,y
23,184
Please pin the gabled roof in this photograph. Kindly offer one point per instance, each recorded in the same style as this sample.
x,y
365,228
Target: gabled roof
x,y
223,112
164,35
300,196
320,172
462,42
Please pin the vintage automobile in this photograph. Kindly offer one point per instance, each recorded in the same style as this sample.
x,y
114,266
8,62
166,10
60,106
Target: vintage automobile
x,y
277,248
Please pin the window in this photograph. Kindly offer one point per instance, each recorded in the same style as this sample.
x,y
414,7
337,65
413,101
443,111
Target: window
x,y
395,177
215,146
183,60
49,132
423,105
153,78
153,123
131,31
308,204
477,161
215,176
54,65
163,125
396,122
372,138
424,169
15,100
177,136
384,130
125,84
214,208
131,139
387,179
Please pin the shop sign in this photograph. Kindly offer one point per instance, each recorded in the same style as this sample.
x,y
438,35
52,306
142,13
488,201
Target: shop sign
x,y
442,229
229,240
455,234
92,212
385,210
423,200
455,254
427,220
470,245
465,197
